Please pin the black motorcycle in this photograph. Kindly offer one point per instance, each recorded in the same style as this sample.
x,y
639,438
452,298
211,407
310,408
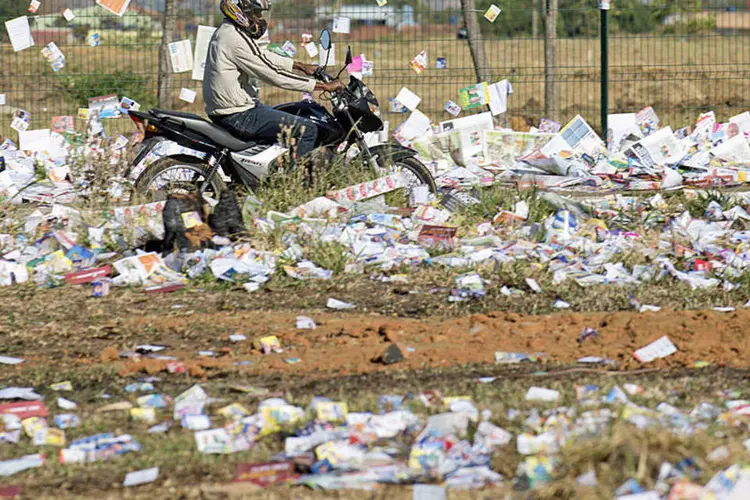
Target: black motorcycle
x,y
202,148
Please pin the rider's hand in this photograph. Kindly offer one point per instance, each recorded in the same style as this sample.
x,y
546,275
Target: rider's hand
x,y
330,86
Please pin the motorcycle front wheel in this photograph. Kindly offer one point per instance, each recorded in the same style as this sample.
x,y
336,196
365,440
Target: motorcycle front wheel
x,y
171,175
415,173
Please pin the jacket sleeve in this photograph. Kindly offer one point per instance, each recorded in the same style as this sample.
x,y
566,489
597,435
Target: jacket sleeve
x,y
269,67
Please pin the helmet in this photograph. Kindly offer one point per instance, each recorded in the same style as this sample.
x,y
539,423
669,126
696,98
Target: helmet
x,y
247,15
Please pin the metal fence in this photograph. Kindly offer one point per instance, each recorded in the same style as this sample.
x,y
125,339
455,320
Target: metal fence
x,y
681,57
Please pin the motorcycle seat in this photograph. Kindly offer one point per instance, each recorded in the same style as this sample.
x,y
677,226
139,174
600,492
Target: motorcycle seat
x,y
204,127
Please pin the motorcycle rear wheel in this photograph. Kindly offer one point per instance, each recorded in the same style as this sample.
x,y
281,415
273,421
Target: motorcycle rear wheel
x,y
171,175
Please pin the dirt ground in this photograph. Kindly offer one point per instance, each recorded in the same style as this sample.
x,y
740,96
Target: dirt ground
x,y
72,329
348,342
64,334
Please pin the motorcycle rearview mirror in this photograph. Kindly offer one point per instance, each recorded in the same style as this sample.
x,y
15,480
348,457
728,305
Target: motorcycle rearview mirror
x,y
325,39
348,61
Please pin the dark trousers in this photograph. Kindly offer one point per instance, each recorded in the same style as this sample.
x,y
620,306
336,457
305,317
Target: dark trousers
x,y
264,123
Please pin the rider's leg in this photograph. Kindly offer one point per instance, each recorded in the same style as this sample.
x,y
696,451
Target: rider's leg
x,y
264,122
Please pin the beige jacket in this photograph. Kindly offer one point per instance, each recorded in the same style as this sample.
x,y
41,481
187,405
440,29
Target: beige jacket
x,y
233,60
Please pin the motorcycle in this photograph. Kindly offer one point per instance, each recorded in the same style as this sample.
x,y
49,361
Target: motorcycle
x,y
203,148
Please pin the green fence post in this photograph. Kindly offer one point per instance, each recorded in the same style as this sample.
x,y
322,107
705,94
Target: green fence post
x,y
604,38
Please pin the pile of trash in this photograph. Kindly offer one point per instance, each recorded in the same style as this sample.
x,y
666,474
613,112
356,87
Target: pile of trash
x,y
639,153
580,238
327,446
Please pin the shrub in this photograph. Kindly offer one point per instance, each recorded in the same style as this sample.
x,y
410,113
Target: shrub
x,y
77,89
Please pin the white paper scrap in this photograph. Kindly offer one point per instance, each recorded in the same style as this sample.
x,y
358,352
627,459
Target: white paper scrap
x,y
8,360
312,49
742,121
181,56
338,304
202,40
66,404
660,348
10,467
499,93
328,57
649,308
139,477
34,140
305,323
541,394
187,95
646,495
428,492
533,285
741,490
342,25
26,393
19,33
409,99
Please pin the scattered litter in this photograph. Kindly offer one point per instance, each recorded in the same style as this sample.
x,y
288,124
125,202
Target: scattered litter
x,y
12,466
139,477
533,285
66,404
542,394
305,323
648,308
338,304
660,348
26,393
587,333
265,474
62,386
724,309
270,344
515,357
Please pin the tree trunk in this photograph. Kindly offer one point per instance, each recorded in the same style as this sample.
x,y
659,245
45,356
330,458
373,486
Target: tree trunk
x,y
535,18
164,94
550,59
476,44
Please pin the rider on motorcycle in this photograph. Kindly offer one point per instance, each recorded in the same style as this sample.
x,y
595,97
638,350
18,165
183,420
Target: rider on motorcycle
x,y
235,59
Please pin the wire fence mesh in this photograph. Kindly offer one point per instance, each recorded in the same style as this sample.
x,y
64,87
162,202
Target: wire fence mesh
x,y
682,57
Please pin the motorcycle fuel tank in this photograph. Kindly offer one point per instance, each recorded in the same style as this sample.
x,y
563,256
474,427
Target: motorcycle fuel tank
x,y
329,131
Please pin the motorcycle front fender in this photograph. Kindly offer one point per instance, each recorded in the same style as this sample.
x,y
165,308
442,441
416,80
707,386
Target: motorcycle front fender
x,y
394,151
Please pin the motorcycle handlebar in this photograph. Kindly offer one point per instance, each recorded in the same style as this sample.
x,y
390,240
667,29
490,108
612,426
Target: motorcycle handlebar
x,y
320,74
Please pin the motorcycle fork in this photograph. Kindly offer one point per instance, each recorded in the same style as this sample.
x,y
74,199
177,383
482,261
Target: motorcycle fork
x,y
364,149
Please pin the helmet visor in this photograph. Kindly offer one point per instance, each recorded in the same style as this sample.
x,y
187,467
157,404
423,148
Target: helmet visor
x,y
263,11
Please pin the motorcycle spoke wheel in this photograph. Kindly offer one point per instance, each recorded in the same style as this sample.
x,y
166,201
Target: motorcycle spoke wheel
x,y
169,176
